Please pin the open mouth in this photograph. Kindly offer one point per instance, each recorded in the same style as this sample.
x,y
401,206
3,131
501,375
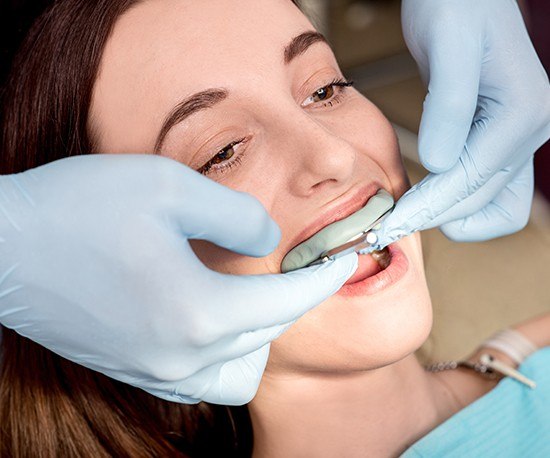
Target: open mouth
x,y
371,265
342,236
377,272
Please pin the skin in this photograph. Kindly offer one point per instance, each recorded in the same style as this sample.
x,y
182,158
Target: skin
x,y
345,372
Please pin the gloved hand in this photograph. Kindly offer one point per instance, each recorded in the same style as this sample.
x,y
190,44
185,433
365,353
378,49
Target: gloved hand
x,y
487,111
95,265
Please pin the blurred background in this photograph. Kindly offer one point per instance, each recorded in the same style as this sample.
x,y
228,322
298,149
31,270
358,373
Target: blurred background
x,y
477,288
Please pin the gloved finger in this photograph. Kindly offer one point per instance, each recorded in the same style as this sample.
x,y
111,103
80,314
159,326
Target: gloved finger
x,y
437,200
454,73
489,161
419,207
238,380
170,395
234,347
263,301
476,201
233,220
478,176
506,214
233,382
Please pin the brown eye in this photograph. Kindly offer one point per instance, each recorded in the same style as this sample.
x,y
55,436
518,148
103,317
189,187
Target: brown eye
x,y
323,94
327,95
224,154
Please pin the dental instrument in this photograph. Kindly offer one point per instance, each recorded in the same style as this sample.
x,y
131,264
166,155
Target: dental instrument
x,y
351,234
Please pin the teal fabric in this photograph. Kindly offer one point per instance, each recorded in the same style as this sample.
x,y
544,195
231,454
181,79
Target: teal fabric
x,y
510,421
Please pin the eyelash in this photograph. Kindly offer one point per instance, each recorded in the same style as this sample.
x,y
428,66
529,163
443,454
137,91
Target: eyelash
x,y
232,162
236,159
340,83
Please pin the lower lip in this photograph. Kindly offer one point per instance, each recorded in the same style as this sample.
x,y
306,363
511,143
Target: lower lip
x,y
371,285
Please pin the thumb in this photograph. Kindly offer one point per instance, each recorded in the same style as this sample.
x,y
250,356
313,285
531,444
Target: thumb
x,y
233,382
234,220
412,211
238,380
284,298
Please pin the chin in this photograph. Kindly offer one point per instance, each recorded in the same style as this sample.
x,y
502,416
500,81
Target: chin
x,y
371,343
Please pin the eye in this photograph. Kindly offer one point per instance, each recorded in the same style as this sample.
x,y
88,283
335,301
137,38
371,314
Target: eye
x,y
322,94
223,158
224,154
327,93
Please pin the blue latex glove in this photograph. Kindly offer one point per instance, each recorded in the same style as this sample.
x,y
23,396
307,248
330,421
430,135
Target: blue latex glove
x,y
95,265
486,113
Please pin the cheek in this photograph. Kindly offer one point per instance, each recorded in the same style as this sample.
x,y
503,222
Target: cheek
x,y
228,262
371,134
259,181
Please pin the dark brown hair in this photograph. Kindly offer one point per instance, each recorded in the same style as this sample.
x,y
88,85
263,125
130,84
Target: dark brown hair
x,y
49,406
47,95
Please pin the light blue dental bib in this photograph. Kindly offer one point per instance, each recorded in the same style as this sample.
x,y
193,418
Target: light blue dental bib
x,y
510,421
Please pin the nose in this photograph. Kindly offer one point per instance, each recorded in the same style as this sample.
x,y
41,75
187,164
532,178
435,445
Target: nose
x,y
320,158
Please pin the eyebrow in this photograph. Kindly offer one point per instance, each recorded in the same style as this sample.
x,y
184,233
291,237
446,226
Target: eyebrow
x,y
300,44
210,97
197,102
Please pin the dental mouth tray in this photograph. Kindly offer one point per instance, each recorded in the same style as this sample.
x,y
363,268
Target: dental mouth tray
x,y
351,234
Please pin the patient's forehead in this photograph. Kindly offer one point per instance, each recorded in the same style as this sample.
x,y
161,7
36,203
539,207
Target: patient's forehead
x,y
163,50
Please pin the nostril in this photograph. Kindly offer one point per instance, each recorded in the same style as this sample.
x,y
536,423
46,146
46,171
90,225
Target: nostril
x,y
323,184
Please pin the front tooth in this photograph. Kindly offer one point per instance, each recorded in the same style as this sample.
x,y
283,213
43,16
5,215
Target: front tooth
x,y
338,233
382,257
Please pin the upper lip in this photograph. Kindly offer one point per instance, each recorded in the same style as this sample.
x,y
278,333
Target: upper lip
x,y
349,203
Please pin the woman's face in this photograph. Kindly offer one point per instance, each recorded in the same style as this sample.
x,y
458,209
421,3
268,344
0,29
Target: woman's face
x,y
261,110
